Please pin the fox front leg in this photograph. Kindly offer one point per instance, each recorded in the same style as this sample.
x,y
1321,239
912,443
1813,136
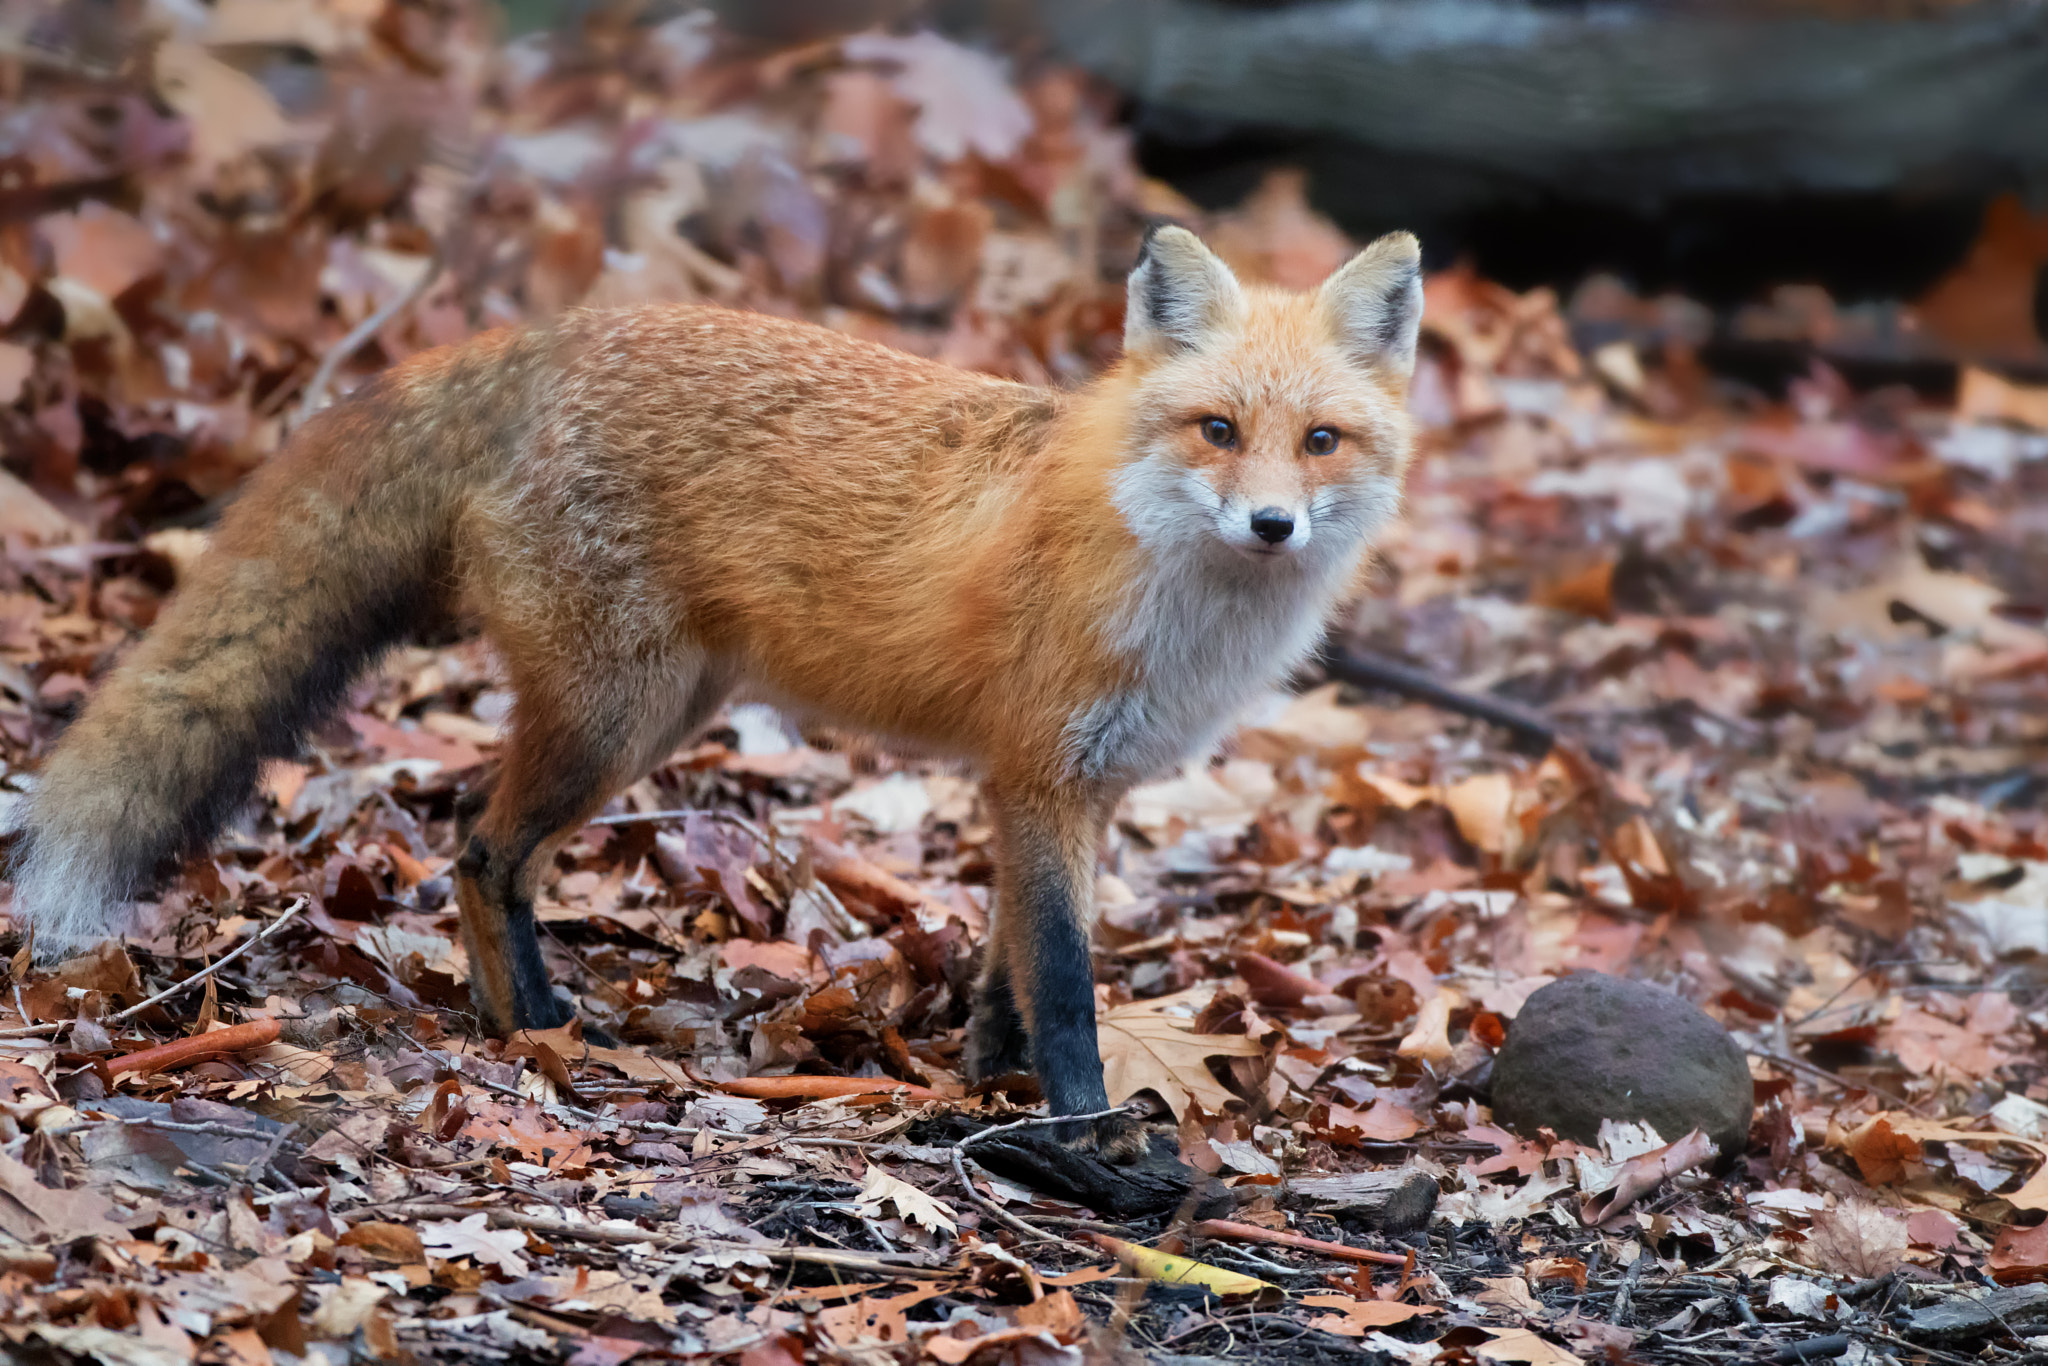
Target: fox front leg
x,y
1047,844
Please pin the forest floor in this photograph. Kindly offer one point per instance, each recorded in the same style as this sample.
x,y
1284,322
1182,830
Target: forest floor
x,y
1792,647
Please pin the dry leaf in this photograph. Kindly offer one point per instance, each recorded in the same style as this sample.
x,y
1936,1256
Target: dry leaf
x,y
1146,1046
1430,1040
2020,1255
1644,1172
880,1188
1857,1239
1155,1265
475,1239
1523,1346
1356,1318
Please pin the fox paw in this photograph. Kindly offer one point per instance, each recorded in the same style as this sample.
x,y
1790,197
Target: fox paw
x,y
1116,1139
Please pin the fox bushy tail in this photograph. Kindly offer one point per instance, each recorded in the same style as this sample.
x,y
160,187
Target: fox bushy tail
x,y
337,548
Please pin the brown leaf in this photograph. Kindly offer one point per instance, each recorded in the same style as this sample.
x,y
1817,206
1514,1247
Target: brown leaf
x,y
392,1242
1355,1318
2019,1255
1589,591
102,248
33,1213
1645,1172
1857,1239
1146,1046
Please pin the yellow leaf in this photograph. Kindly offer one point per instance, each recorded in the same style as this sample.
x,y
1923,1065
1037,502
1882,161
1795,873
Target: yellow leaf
x,y
1145,1046
1155,1265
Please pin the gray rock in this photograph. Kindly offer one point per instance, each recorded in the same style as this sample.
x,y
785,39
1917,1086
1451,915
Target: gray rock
x,y
1594,1047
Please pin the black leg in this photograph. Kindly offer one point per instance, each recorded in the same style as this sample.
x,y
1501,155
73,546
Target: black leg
x,y
997,1044
1048,845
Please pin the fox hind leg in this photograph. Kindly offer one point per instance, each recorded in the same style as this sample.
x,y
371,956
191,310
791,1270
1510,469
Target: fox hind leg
x,y
997,1044
574,742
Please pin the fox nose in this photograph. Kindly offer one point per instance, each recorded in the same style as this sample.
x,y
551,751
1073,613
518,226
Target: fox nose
x,y
1272,525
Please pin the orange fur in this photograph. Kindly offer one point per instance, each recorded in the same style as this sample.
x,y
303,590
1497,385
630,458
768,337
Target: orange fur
x,y
650,509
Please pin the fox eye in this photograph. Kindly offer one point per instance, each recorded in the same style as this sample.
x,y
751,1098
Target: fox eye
x,y
1218,431
1322,441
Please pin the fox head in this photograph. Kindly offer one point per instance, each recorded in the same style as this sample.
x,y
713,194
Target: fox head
x,y
1265,424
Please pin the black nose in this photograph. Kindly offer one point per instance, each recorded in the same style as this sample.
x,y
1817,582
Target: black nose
x,y
1272,526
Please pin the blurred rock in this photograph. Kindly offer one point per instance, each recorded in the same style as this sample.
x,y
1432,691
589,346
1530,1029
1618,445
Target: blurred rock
x,y
1594,1047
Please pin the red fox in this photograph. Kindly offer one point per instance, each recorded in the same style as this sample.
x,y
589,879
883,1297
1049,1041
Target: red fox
x,y
650,509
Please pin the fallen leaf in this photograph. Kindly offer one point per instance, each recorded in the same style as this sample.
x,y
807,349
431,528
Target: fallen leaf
x,y
1155,1265
1430,1040
1146,1046
1857,1239
473,1238
2019,1255
1645,1172
1356,1318
964,101
880,1188
1523,1346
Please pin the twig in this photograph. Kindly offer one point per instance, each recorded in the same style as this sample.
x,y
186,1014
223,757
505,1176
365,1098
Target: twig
x,y
1226,1230
194,1047
209,970
213,1127
1814,1069
1365,669
1010,1220
868,1263
290,912
316,387
643,817
1039,1122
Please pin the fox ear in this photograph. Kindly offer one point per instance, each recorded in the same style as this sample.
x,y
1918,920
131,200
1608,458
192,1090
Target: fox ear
x,y
1179,293
1375,303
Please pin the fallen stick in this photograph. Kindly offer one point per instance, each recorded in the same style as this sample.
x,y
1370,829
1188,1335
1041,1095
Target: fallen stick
x,y
1225,1231
1003,1216
359,336
821,1088
868,1263
1364,669
233,1039
1041,1121
168,992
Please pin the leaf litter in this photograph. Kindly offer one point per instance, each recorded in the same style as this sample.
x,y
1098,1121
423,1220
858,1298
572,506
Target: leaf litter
x,y
1792,648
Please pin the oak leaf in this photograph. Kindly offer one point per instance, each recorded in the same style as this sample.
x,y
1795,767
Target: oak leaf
x,y
471,1238
1355,1318
880,1188
1148,1046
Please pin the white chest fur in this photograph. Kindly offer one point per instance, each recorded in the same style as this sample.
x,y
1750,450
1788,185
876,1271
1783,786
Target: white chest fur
x,y
1205,638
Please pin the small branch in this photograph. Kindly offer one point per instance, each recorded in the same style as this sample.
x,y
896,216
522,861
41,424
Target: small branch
x,y
290,913
1010,1220
1039,1122
192,1048
359,335
1225,1230
866,1263
643,817
1365,669
173,1126
195,979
